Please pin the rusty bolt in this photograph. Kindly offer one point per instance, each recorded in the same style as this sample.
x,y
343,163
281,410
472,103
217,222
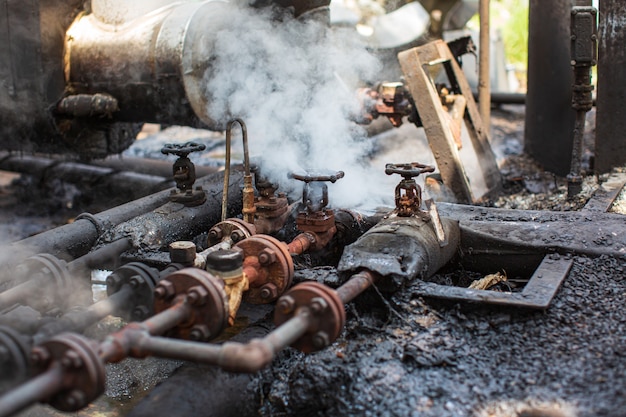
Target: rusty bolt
x,y
140,313
269,291
197,295
40,355
199,333
74,400
113,282
267,257
237,235
136,281
320,340
215,233
286,304
71,359
164,290
318,305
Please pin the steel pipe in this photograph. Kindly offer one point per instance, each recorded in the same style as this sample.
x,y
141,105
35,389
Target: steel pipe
x,y
37,389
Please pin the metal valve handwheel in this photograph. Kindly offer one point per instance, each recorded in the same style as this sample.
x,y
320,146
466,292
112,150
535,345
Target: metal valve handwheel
x,y
317,177
409,170
182,150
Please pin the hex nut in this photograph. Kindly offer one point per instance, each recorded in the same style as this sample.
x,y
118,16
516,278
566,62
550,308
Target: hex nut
x,y
286,304
165,290
199,333
71,359
237,235
320,340
40,355
269,291
140,313
197,295
183,252
318,305
267,257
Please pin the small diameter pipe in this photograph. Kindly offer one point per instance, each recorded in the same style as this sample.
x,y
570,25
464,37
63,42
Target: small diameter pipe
x,y
98,257
301,243
357,283
231,356
77,321
248,192
254,355
118,346
21,292
37,389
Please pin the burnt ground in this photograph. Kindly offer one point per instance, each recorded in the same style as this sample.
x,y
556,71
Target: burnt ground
x,y
402,355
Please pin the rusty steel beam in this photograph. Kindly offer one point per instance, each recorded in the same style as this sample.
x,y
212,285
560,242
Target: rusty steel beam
x,y
549,116
611,117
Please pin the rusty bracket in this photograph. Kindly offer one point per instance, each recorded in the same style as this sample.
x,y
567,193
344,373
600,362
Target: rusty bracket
x,y
537,293
416,64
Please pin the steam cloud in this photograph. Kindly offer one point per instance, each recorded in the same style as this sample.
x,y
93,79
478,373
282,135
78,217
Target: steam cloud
x,y
294,84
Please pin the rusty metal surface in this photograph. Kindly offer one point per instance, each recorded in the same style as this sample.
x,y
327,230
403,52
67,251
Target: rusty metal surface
x,y
401,249
537,293
230,231
268,266
605,195
434,120
327,314
208,312
610,148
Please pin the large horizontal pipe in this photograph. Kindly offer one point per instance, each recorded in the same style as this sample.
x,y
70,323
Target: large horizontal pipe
x,y
158,167
73,240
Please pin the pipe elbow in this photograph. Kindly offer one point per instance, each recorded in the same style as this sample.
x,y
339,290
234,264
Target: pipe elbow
x,y
246,358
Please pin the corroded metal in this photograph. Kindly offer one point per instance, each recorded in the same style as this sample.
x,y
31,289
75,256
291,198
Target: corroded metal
x,y
268,267
415,62
249,208
230,232
327,314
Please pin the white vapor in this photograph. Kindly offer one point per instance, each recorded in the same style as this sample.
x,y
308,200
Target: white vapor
x,y
294,84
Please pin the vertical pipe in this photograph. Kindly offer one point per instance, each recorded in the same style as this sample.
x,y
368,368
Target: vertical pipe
x,y
484,76
611,116
549,115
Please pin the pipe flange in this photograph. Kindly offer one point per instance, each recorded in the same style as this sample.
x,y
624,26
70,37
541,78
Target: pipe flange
x,y
233,229
327,311
205,293
57,280
142,279
83,370
272,264
14,356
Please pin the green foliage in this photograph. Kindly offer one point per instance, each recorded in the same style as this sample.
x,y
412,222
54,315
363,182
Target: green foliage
x,y
515,30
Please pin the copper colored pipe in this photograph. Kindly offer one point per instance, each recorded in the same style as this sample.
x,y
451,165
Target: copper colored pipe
x,y
301,243
357,283
248,192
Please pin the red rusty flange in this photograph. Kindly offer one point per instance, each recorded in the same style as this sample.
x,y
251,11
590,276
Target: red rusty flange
x,y
233,228
83,370
268,266
327,314
205,293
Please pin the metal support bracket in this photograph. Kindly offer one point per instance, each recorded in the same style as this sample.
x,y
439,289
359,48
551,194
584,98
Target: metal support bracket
x,y
415,64
537,293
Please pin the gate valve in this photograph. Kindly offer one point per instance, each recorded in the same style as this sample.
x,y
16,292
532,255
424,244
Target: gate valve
x,y
185,173
316,222
271,209
408,194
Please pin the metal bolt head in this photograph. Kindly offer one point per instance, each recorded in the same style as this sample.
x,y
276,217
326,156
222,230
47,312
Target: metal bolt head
x,y
269,291
40,355
164,290
183,252
318,305
136,281
320,340
199,333
71,359
286,304
237,235
267,257
140,313
113,282
75,400
197,295
215,233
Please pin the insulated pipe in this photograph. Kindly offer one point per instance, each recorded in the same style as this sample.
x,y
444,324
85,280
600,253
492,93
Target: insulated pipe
x,y
77,173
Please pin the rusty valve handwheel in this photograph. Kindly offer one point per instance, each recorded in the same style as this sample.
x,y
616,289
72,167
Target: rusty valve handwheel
x,y
83,370
410,170
205,293
182,150
317,178
327,311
